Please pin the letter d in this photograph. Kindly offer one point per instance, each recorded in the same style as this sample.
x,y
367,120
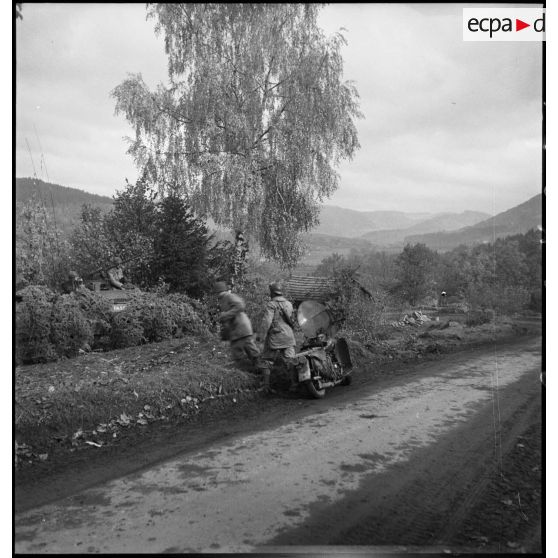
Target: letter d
x,y
536,25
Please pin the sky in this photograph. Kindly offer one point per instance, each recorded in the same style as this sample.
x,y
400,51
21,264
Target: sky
x,y
449,125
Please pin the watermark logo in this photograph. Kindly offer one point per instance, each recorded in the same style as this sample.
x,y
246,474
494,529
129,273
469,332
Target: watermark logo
x,y
504,24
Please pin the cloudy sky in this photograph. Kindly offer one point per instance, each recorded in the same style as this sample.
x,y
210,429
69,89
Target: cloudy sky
x,y
449,125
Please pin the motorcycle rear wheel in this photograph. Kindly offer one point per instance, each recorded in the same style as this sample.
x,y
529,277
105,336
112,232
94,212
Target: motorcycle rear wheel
x,y
314,390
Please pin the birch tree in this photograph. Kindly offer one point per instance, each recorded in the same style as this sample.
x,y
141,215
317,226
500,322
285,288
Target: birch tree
x,y
253,121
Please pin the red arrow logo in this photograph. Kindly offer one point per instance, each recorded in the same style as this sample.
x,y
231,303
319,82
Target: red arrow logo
x,y
519,25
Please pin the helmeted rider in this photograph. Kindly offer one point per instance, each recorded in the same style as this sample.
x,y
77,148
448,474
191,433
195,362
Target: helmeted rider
x,y
277,326
236,323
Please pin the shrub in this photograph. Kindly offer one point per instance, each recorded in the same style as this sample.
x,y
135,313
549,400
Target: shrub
x,y
151,317
50,326
70,330
365,317
98,312
500,299
33,315
126,329
190,315
479,317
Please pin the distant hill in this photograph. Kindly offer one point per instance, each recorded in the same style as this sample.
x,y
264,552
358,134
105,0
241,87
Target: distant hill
x,y
67,202
320,246
517,220
338,221
438,223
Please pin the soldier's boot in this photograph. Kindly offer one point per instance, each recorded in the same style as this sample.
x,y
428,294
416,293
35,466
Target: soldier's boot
x,y
266,380
293,374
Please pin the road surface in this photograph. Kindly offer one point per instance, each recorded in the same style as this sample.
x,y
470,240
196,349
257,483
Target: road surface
x,y
400,462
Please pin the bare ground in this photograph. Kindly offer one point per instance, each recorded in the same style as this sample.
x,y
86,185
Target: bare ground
x,y
477,489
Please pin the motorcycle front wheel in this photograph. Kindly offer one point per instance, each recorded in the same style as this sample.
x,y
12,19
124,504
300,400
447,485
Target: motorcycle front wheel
x,y
313,388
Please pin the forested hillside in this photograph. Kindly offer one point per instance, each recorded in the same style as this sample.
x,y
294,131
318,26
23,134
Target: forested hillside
x,y
517,220
65,202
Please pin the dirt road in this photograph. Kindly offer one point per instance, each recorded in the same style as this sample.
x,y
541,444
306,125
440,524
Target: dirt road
x,y
446,455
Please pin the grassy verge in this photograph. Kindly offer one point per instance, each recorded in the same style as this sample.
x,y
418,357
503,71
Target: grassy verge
x,y
90,399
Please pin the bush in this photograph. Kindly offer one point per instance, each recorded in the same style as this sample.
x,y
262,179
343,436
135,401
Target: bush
x,y
70,330
479,317
98,312
365,317
190,315
503,300
50,326
33,315
126,329
151,317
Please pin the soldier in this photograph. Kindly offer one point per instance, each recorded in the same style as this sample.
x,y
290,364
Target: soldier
x,y
116,275
238,329
277,329
73,283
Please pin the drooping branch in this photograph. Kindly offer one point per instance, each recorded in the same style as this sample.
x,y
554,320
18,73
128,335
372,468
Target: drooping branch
x,y
254,120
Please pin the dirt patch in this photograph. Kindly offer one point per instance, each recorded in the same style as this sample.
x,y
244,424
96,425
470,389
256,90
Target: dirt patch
x,y
468,493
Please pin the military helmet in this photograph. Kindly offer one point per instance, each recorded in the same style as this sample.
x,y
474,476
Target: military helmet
x,y
220,287
73,275
276,288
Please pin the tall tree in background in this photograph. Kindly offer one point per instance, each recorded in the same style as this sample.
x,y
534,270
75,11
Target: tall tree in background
x,y
416,267
253,121
181,248
132,227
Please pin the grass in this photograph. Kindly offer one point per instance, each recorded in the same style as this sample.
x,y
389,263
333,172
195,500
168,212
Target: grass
x,y
89,399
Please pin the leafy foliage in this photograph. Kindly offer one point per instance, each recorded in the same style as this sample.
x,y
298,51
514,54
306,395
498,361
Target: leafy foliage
x,y
92,248
416,267
33,315
50,326
504,276
150,317
254,119
181,246
132,228
42,255
70,328
159,239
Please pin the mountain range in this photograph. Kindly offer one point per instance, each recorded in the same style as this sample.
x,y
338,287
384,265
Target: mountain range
x,y
340,229
517,220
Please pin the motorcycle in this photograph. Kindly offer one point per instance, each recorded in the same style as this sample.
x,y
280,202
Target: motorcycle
x,y
323,361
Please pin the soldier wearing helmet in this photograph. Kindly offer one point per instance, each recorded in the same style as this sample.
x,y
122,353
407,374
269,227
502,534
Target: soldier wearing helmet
x,y
116,275
73,283
277,326
237,328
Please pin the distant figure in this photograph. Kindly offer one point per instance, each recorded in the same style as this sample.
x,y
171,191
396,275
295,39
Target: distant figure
x,y
443,295
116,275
240,251
73,283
